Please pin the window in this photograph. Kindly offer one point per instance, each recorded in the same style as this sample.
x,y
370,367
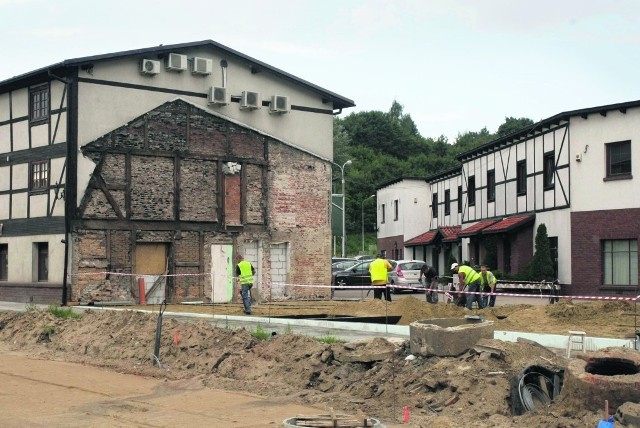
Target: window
x,y
39,175
549,170
4,262
447,202
39,103
395,210
434,205
383,213
619,159
471,191
620,262
521,177
459,199
491,185
42,261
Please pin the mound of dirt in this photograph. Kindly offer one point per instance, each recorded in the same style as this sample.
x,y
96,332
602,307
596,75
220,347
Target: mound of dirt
x,y
376,377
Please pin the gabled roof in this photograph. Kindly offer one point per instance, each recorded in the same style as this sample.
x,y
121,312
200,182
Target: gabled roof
x,y
545,124
508,224
256,66
450,233
476,228
424,239
398,180
451,172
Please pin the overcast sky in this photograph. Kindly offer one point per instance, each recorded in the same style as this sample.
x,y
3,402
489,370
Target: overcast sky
x,y
455,65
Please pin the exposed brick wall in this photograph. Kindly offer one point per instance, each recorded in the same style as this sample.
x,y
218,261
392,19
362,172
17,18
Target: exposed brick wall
x,y
198,182
152,188
232,195
588,229
299,206
297,185
166,128
255,188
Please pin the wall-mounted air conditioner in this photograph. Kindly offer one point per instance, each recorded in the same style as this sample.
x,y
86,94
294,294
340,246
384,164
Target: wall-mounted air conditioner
x,y
250,100
279,104
176,62
201,65
219,95
149,66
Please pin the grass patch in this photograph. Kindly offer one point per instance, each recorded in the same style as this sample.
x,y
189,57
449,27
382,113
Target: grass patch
x,y
64,313
328,339
48,329
261,333
30,307
288,329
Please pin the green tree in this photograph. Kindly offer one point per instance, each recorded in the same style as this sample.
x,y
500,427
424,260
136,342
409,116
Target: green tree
x,y
511,125
541,267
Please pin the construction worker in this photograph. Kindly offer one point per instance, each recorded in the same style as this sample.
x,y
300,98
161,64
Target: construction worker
x,y
378,269
471,279
244,273
487,283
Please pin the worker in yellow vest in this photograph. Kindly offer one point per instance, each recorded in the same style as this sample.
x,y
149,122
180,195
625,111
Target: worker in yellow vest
x,y
470,279
378,269
244,274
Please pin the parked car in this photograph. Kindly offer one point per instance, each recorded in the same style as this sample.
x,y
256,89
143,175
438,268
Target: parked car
x,y
355,275
406,273
365,257
340,259
343,265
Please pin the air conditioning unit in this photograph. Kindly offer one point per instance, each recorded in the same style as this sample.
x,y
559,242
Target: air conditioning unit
x,y
202,65
279,104
250,100
176,62
219,95
149,66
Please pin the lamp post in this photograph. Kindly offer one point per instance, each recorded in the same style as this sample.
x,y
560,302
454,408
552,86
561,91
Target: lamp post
x,y
362,216
344,226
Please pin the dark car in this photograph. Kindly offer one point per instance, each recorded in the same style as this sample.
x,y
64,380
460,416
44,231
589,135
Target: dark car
x,y
355,275
343,265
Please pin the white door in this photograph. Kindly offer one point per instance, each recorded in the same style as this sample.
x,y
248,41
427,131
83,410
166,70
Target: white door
x,y
221,273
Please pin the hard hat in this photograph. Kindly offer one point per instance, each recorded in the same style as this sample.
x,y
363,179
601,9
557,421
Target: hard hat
x,y
454,266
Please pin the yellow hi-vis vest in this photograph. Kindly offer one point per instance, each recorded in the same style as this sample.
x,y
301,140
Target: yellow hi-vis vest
x,y
470,275
246,274
378,270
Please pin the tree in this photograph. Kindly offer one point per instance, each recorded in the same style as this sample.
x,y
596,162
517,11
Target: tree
x,y
541,268
511,125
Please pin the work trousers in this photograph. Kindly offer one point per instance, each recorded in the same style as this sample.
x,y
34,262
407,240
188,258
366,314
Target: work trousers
x,y
488,300
245,292
474,287
379,289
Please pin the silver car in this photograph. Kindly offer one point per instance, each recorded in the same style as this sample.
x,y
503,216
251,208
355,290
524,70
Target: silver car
x,y
406,273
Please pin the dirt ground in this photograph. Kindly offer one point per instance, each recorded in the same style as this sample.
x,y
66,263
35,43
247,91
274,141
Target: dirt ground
x,y
331,375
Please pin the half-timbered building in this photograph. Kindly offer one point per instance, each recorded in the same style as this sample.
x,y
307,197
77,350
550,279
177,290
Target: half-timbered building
x,y
163,163
572,172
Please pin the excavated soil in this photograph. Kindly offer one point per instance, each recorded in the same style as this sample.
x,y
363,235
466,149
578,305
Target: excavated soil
x,y
373,377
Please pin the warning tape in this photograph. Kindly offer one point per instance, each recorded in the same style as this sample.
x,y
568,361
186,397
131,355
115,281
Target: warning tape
x,y
447,293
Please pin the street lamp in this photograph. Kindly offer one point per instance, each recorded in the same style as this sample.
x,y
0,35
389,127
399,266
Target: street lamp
x,y
362,216
344,227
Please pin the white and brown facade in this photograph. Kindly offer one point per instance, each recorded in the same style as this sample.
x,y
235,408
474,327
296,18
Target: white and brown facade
x,y
574,173
166,160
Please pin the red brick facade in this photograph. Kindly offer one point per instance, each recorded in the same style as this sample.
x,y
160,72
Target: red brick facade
x,y
588,230
392,247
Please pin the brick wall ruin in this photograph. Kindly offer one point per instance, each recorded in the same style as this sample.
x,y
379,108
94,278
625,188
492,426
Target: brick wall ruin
x,y
180,176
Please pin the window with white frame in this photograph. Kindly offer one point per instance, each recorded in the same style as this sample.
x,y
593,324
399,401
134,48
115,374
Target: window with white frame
x,y
39,172
383,213
447,202
491,185
471,191
620,262
395,210
434,205
39,103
